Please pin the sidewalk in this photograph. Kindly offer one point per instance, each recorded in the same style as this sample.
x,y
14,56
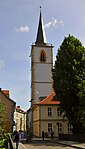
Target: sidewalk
x,y
21,146
73,144
77,145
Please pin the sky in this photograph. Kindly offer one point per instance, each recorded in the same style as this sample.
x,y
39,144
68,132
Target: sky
x,y
18,30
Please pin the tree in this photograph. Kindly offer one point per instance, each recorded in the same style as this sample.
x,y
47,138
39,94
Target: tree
x,y
2,116
69,81
4,137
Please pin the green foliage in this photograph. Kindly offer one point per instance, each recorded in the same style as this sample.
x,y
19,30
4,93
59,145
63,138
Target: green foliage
x,y
69,81
2,116
4,138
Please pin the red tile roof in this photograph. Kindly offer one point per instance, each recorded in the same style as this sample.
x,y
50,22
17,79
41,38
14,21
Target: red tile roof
x,y
50,99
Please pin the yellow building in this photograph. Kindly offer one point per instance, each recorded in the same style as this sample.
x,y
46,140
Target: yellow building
x,y
47,117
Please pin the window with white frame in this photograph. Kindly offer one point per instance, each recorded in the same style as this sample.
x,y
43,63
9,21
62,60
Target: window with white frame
x,y
60,128
49,111
49,127
58,111
69,127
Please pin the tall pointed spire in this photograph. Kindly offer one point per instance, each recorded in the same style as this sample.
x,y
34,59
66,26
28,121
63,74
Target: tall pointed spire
x,y
41,38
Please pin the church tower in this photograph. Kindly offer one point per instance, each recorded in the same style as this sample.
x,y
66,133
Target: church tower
x,y
41,65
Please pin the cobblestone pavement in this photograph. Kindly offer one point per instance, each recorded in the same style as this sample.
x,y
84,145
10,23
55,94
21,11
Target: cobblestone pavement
x,y
45,145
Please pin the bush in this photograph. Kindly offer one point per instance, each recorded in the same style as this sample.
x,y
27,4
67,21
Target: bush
x,y
4,141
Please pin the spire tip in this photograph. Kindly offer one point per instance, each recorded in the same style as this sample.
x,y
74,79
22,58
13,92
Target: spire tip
x,y
40,8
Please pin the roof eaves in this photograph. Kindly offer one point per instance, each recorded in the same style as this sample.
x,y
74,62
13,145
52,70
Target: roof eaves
x,y
8,97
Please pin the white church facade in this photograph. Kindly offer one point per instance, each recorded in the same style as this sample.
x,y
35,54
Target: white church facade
x,y
41,65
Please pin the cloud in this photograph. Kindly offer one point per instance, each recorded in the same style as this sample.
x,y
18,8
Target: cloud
x,y
22,28
1,64
54,23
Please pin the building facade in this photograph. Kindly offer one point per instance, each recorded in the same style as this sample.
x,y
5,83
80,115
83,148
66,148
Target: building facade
x,y
9,106
20,119
29,120
47,117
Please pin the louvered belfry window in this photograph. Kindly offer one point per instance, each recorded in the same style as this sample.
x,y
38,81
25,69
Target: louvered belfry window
x,y
42,56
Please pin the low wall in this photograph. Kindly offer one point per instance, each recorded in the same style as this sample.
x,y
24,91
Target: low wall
x,y
72,137
11,144
47,134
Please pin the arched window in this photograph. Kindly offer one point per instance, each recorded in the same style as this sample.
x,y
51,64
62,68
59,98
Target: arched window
x,y
42,56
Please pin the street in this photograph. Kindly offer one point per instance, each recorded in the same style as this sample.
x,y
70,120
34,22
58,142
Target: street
x,y
45,145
